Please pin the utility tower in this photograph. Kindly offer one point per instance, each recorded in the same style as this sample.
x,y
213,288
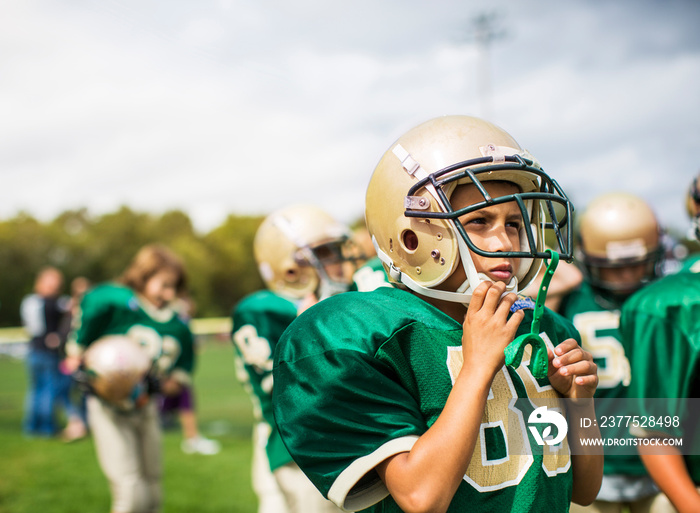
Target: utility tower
x,y
485,31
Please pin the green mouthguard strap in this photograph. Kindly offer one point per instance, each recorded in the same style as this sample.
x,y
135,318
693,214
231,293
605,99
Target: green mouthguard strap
x,y
514,351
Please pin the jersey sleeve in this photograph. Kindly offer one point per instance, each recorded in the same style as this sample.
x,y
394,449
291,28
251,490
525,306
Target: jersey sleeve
x,y
93,318
341,412
252,344
258,323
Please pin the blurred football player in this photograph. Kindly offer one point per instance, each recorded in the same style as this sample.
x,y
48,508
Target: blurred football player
x,y
692,262
304,255
398,399
660,329
620,246
122,411
620,251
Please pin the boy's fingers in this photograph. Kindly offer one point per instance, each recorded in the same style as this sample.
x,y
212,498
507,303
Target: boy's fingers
x,y
565,347
581,368
505,305
515,320
587,380
507,301
493,295
575,355
479,296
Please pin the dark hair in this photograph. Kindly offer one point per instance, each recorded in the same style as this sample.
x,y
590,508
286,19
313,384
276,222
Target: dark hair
x,y
148,262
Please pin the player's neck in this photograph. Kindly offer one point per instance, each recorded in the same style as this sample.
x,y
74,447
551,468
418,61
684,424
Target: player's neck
x,y
455,310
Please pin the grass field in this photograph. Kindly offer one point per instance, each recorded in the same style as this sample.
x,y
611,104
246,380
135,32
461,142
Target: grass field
x,y
38,475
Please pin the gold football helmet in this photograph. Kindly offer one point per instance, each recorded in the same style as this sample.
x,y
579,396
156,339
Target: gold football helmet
x,y
301,250
416,230
619,231
116,365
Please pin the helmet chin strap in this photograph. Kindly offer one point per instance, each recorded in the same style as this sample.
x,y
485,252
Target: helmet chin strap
x,y
462,295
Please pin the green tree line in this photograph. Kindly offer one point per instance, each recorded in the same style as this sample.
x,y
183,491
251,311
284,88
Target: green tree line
x,y
220,265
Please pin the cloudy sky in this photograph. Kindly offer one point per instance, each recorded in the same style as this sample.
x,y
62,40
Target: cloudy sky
x,y
242,106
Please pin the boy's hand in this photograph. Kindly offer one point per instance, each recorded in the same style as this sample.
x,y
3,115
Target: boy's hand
x,y
170,387
572,372
70,364
486,330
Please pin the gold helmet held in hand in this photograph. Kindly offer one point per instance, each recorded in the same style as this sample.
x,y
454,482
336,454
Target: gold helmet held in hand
x,y
116,365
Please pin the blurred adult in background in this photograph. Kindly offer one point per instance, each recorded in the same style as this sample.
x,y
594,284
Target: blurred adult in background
x,y
304,255
42,313
133,346
660,327
619,250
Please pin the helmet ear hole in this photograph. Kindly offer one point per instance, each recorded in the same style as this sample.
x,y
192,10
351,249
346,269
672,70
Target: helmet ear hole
x,y
410,240
291,275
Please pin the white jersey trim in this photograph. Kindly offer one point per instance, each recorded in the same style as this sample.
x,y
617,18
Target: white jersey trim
x,y
341,493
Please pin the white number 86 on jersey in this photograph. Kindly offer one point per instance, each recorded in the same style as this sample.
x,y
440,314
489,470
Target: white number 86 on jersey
x,y
503,452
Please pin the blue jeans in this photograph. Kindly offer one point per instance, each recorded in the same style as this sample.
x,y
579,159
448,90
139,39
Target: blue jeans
x,y
44,383
70,398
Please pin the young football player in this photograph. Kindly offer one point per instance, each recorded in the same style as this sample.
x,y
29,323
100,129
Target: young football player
x,y
398,399
619,251
660,328
304,255
126,431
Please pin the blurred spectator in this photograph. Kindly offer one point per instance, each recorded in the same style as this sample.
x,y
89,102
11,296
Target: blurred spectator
x,y
42,313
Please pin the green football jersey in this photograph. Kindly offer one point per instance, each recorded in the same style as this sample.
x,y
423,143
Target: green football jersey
x,y
360,376
660,328
258,322
113,309
598,325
